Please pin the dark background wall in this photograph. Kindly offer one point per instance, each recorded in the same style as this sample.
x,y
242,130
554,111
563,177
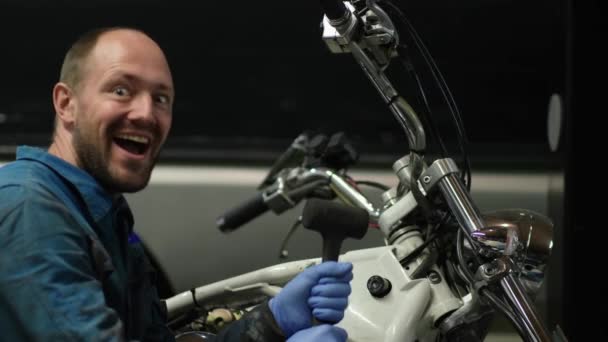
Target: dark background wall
x,y
251,76
586,235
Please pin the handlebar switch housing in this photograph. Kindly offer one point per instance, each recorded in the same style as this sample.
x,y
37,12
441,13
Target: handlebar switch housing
x,y
277,200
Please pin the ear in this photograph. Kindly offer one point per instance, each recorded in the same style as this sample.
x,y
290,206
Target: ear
x,y
64,103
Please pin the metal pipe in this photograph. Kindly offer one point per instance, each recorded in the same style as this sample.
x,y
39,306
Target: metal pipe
x,y
460,203
524,309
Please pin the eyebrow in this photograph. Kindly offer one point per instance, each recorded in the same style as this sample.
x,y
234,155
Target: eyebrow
x,y
136,79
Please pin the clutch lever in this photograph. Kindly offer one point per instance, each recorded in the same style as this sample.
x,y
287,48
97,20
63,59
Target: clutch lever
x,y
293,156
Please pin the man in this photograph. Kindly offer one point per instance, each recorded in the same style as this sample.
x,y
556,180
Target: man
x,y
71,267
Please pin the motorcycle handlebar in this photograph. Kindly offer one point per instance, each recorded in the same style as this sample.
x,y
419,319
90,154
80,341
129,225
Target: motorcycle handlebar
x,y
243,213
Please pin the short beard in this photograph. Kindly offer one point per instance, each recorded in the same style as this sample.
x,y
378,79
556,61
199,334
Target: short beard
x,y
92,159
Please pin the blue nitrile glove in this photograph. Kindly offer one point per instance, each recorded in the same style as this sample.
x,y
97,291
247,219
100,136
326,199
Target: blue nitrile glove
x,y
321,290
325,333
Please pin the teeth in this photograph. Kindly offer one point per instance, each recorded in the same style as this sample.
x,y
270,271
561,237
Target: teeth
x,y
135,138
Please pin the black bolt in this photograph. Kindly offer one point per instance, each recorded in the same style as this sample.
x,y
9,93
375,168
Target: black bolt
x,y
378,286
434,277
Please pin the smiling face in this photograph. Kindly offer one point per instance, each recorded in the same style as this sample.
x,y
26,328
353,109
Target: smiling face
x,y
118,117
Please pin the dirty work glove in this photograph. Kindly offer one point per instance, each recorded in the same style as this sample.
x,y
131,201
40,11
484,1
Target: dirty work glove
x,y
325,333
321,290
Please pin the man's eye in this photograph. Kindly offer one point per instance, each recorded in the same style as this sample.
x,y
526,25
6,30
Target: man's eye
x,y
120,91
164,99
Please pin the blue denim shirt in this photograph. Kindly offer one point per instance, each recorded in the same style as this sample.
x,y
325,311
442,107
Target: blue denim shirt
x,y
71,268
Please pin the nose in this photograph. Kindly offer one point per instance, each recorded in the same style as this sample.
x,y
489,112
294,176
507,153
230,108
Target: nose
x,y
143,110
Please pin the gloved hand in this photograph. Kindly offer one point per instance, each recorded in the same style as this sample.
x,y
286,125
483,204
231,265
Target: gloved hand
x,y
325,333
321,290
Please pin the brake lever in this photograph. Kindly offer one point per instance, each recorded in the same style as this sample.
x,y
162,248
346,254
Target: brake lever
x,y
293,156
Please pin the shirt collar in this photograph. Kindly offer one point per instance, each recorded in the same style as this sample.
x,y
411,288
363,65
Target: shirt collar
x,y
96,198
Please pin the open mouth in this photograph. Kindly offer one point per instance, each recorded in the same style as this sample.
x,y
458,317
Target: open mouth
x,y
134,144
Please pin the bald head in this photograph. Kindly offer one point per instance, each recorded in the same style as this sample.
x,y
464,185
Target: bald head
x,y
75,65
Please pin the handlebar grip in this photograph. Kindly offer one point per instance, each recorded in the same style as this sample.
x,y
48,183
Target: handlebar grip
x,y
247,211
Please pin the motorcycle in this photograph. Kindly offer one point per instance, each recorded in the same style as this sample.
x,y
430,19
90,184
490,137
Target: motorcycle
x,y
446,268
